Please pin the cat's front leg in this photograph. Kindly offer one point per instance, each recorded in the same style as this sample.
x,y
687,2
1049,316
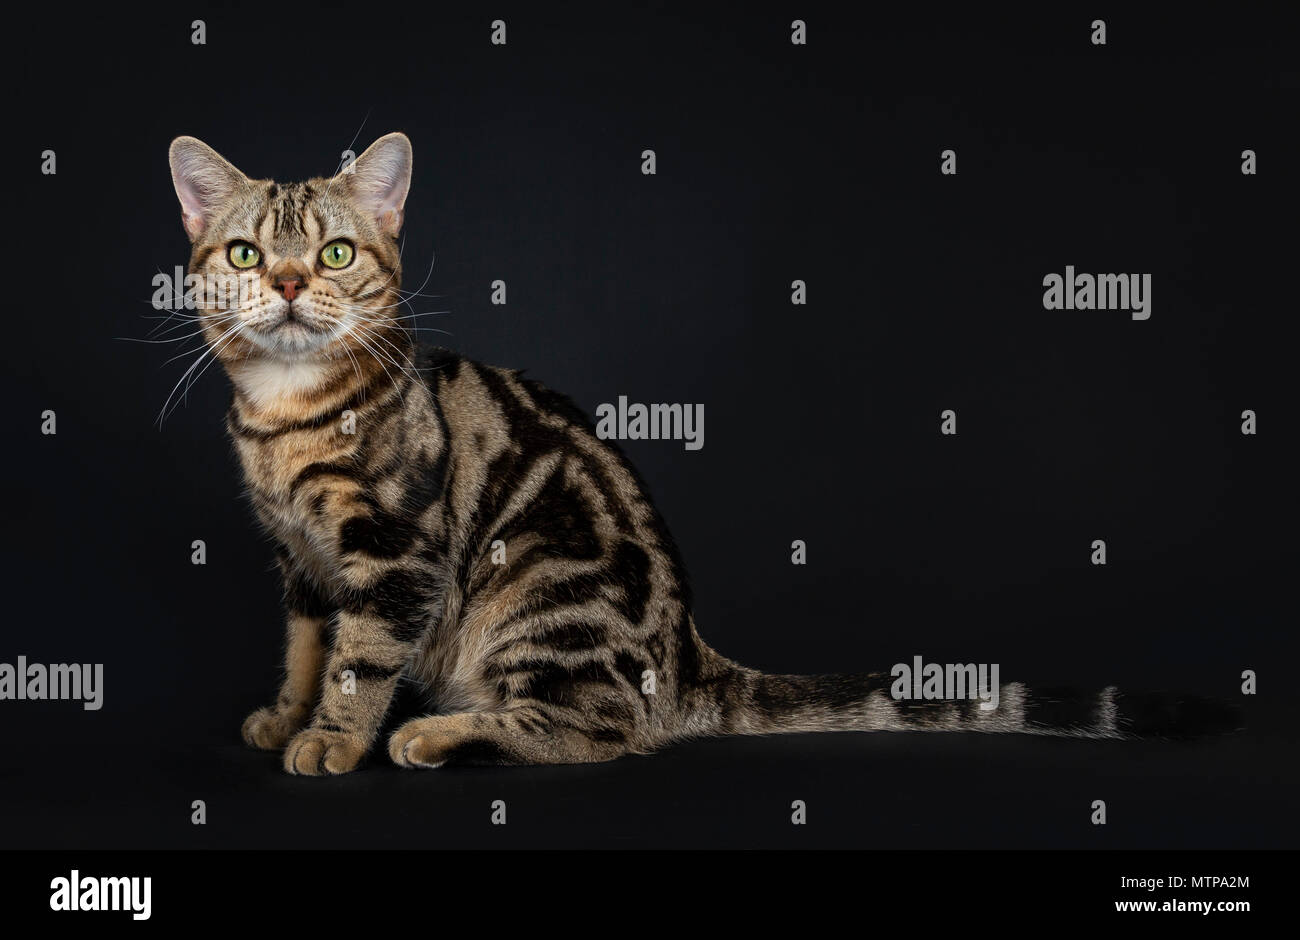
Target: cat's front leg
x,y
307,612
271,727
373,641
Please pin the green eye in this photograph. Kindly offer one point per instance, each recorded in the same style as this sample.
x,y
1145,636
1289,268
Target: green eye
x,y
336,255
244,255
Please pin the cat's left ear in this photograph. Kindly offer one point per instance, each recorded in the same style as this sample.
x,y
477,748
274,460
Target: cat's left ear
x,y
379,180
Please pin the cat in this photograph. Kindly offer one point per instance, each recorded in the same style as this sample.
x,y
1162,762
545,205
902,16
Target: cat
x,y
464,526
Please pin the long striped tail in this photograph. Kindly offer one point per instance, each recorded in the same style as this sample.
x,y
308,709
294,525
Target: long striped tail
x,y
734,700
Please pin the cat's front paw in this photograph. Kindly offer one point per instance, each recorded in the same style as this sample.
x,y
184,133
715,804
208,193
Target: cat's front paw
x,y
314,752
269,729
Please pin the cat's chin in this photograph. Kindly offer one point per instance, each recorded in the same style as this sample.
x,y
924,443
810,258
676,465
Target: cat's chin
x,y
291,341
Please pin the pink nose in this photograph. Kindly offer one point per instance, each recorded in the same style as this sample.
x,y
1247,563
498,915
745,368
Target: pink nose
x,y
289,285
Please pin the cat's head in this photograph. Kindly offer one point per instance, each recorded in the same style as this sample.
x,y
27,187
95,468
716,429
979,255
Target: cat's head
x,y
295,272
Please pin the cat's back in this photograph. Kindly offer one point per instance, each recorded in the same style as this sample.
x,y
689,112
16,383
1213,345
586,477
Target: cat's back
x,y
516,444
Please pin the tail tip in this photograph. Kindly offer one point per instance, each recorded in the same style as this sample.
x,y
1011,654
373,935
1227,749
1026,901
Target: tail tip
x,y
1178,717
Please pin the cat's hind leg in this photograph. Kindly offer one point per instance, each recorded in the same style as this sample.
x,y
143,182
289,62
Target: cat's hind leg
x,y
516,734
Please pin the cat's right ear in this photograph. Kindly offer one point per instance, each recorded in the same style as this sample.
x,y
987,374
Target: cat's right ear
x,y
204,182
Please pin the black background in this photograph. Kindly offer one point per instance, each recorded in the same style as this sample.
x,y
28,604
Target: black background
x,y
775,162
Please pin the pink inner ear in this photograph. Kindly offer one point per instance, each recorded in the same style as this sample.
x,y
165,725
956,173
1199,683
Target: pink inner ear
x,y
199,197
390,222
191,205
380,181
203,181
381,195
193,223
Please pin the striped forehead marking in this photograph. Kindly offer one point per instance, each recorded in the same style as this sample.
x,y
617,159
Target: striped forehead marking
x,y
286,216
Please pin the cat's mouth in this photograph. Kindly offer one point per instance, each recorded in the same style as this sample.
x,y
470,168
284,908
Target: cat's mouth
x,y
290,325
291,329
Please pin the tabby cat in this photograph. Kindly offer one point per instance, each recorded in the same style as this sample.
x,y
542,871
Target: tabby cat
x,y
464,526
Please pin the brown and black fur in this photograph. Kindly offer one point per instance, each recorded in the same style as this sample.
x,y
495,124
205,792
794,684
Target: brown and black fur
x,y
390,538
